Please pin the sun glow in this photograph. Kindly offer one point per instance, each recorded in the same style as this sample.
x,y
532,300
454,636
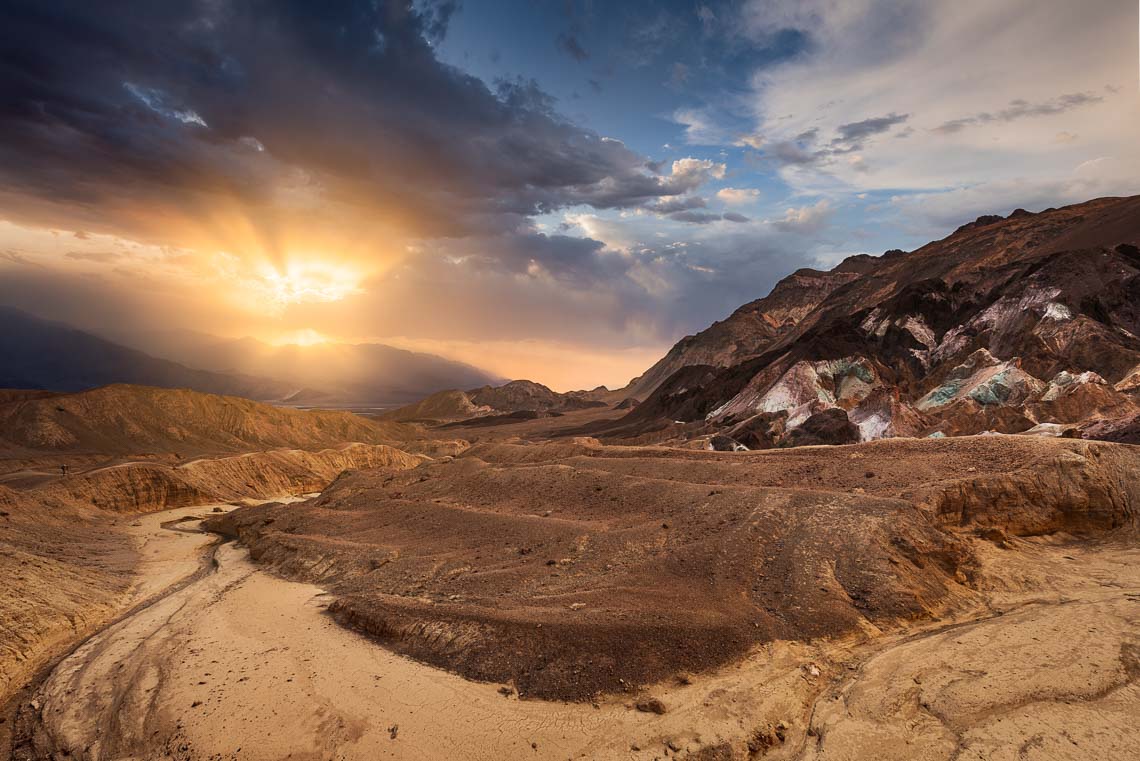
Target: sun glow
x,y
304,337
309,282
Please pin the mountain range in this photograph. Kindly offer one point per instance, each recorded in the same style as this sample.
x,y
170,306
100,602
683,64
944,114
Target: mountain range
x,y
41,354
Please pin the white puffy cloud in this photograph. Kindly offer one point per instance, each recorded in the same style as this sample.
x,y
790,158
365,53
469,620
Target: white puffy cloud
x,y
690,173
806,219
738,195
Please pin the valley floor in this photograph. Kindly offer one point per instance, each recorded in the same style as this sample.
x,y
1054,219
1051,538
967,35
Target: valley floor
x,y
238,663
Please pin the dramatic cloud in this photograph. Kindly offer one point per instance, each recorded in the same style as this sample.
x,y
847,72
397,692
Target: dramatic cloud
x,y
399,168
689,174
850,137
977,90
695,217
304,158
672,205
853,136
286,110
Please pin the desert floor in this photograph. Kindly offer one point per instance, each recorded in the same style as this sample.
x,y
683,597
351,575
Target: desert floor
x,y
222,660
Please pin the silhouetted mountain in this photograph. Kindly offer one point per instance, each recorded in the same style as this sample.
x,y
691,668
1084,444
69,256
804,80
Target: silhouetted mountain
x,y
39,354
323,373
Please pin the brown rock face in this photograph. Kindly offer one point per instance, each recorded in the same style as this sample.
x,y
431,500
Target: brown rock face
x,y
147,487
750,330
1004,325
827,427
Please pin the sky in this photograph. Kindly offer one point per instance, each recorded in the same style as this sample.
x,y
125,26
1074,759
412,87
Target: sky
x,y
550,190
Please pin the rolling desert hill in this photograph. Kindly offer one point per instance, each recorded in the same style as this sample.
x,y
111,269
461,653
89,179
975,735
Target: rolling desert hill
x,y
67,557
1028,322
40,354
122,419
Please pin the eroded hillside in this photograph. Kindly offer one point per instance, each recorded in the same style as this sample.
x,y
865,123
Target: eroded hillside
x,y
572,569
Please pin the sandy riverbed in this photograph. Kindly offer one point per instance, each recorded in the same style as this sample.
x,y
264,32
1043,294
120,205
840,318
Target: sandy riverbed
x,y
241,664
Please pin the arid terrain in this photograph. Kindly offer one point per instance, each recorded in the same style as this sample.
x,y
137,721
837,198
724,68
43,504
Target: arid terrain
x,y
896,599
501,380
887,512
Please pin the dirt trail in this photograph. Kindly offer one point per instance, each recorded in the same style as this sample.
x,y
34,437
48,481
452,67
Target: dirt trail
x,y
241,664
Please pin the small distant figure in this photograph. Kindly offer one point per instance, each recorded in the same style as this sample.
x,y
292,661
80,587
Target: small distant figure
x,y
63,469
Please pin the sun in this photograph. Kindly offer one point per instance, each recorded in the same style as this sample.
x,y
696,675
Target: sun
x,y
312,281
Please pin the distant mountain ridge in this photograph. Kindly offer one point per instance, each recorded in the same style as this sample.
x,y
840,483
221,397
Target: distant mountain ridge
x,y
346,373
40,354
490,401
1009,324
751,329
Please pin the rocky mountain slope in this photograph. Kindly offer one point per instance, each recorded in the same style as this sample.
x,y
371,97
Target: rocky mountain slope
x,y
751,329
1029,322
122,419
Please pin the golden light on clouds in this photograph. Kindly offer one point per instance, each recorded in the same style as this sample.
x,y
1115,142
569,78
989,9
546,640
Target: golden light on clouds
x,y
311,281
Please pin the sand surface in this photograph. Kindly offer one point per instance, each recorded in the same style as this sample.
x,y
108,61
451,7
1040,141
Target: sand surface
x,y
241,664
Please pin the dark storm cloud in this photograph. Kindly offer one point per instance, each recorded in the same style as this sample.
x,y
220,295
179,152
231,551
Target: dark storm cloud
x,y
138,104
1021,109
